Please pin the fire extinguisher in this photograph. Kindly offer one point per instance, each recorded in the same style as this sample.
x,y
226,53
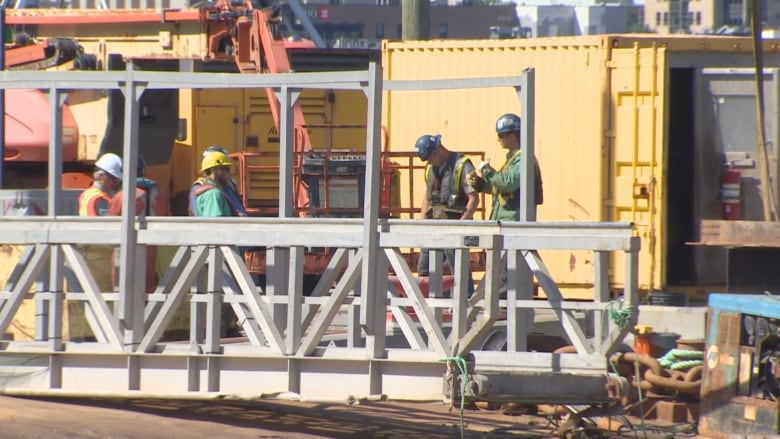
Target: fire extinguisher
x,y
731,193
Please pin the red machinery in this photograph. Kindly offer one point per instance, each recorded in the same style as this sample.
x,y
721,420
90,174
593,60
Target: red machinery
x,y
27,111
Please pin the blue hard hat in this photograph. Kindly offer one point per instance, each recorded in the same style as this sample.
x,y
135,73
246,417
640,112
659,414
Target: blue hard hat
x,y
508,123
426,145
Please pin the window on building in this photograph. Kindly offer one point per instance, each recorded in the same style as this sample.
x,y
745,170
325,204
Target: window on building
x,y
698,17
657,18
733,12
666,19
380,30
443,30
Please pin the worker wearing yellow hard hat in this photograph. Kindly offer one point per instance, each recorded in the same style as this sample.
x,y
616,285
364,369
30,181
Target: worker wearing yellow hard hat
x,y
229,191
211,199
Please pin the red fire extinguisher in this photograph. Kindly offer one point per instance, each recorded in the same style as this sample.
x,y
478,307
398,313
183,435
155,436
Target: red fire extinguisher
x,y
731,193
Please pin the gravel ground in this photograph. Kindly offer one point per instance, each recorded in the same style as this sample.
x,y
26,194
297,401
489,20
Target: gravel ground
x,y
105,418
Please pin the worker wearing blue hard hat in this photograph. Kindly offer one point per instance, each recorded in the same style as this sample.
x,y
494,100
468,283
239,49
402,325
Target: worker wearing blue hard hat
x,y
504,183
447,193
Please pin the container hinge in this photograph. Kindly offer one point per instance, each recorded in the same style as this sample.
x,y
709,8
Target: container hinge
x,y
610,64
609,134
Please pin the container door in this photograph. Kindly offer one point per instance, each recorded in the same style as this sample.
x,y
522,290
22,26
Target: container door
x,y
734,141
635,141
729,136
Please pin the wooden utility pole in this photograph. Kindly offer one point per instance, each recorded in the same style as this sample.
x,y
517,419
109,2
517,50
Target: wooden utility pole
x,y
415,20
768,196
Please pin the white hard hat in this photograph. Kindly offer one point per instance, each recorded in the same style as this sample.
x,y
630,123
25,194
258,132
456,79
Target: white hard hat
x,y
110,163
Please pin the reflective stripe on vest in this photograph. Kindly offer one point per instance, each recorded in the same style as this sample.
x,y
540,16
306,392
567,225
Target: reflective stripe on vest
x,y
453,185
88,198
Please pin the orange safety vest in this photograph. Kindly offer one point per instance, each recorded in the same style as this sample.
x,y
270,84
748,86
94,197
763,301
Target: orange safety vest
x,y
88,201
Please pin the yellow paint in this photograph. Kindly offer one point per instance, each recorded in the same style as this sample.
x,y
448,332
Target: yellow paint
x,y
599,130
238,120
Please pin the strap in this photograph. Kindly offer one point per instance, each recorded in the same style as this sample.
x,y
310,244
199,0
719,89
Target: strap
x,y
459,170
204,187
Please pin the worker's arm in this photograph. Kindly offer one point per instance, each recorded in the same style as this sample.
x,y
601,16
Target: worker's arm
x,y
506,181
471,193
424,206
471,206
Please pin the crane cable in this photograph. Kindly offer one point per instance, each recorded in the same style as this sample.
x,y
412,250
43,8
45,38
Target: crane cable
x,y
768,196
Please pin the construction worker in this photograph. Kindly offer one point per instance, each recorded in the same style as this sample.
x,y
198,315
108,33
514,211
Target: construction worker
x,y
212,196
212,199
149,200
447,193
107,177
504,183
229,191
94,201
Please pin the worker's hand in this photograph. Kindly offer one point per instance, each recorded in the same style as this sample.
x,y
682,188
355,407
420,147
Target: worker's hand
x,y
475,181
483,166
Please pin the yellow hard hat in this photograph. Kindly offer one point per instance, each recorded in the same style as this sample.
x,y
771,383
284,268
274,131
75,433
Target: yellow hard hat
x,y
214,159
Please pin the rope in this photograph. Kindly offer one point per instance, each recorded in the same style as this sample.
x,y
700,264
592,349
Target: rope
x,y
681,359
620,316
463,368
685,365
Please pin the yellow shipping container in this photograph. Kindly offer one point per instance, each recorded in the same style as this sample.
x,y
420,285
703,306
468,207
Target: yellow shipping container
x,y
626,130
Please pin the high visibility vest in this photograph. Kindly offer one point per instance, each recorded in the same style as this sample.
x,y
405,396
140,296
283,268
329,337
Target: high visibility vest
x,y
446,190
89,199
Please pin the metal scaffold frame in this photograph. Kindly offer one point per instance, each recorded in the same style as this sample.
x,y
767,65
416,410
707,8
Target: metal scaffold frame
x,y
302,344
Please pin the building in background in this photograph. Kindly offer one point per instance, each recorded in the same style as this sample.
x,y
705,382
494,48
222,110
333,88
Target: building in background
x,y
544,19
708,16
366,25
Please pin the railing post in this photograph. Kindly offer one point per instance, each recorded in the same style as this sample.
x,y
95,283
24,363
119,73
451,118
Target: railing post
x,y
373,303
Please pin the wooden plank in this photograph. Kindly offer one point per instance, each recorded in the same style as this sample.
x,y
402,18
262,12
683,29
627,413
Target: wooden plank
x,y
739,233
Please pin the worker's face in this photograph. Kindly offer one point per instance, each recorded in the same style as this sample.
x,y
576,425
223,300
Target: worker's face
x,y
222,175
111,183
509,140
436,158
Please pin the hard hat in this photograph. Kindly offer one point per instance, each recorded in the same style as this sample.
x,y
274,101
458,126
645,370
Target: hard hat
x,y
141,165
426,145
508,123
110,163
214,148
214,159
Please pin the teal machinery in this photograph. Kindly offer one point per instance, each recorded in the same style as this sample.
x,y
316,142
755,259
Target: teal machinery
x,y
741,382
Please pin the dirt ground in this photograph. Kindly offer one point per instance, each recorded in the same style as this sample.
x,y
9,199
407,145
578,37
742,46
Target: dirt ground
x,y
109,418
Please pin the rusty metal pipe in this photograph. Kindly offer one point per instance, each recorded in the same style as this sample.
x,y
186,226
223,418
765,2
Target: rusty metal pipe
x,y
645,360
672,384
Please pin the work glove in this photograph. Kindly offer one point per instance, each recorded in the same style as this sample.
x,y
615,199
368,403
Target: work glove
x,y
484,166
475,181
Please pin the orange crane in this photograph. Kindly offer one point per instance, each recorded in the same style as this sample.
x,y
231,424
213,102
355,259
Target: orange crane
x,y
260,48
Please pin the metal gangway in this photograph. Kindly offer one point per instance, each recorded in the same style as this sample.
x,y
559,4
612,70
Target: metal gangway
x,y
337,342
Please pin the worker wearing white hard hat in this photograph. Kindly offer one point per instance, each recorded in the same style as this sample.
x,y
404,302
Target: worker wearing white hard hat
x,y
94,201
107,181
